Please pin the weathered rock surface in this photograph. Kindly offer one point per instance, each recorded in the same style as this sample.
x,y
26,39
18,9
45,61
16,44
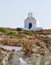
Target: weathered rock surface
x,y
36,48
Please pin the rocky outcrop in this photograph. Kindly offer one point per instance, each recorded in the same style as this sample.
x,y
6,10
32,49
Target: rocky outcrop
x,y
36,48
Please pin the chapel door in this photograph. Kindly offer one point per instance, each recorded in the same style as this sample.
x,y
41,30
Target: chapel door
x,y
30,25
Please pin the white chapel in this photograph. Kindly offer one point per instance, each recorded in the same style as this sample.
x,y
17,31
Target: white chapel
x,y
30,23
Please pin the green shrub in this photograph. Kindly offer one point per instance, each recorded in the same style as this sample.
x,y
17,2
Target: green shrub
x,y
28,32
4,30
19,29
11,33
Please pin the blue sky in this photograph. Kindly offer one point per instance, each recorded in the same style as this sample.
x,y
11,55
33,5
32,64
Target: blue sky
x,y
13,12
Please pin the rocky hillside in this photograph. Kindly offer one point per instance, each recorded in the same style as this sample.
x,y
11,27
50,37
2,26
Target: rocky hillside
x,y
34,43
26,39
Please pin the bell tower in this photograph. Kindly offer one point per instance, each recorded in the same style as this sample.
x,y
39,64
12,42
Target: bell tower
x,y
30,15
